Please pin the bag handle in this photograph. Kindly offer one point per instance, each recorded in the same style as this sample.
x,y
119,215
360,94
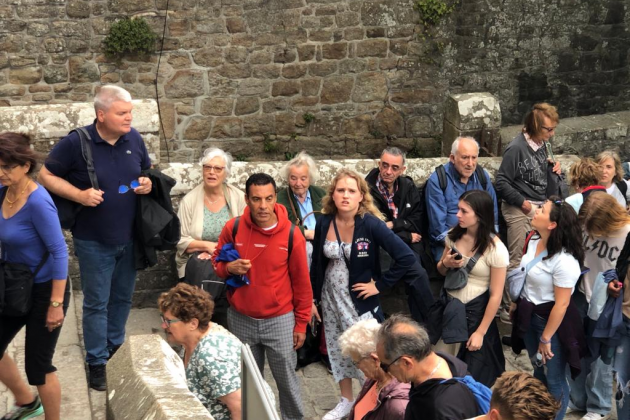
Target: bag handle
x,y
472,262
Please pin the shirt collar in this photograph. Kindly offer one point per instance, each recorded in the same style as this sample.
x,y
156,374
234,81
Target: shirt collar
x,y
308,196
98,139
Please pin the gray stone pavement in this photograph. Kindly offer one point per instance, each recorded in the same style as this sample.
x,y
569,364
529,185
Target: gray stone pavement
x,y
319,391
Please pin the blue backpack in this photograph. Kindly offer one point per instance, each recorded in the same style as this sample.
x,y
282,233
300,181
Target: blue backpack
x,y
481,392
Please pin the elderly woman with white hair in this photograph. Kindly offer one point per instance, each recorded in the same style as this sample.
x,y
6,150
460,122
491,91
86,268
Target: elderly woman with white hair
x,y
382,396
302,199
203,212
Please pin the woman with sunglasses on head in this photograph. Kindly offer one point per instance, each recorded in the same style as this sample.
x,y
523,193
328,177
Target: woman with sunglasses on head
x,y
203,212
30,234
474,235
212,357
545,321
606,226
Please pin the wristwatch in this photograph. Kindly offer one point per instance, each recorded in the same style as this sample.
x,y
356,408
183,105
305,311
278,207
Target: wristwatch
x,y
55,304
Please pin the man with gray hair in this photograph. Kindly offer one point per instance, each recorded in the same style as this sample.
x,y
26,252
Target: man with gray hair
x,y
447,184
103,229
404,350
396,196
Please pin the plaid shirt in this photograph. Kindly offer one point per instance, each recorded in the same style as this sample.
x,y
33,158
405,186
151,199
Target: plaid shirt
x,y
382,188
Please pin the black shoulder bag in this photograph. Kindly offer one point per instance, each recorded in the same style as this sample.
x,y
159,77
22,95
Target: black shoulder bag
x,y
68,209
16,283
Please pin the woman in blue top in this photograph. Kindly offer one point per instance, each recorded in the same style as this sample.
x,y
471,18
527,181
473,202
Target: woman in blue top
x,y
29,233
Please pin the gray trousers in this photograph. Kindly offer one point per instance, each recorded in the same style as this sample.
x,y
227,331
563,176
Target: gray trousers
x,y
273,336
518,224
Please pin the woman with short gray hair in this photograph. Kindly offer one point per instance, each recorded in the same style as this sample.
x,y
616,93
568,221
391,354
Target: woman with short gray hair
x,y
203,212
382,396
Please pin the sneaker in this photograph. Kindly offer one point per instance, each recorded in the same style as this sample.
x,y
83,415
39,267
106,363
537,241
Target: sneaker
x,y
341,411
595,416
504,316
97,377
30,411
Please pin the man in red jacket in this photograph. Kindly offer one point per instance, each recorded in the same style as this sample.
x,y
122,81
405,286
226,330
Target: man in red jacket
x,y
272,311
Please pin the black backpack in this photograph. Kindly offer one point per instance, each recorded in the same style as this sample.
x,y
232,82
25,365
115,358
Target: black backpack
x,y
623,189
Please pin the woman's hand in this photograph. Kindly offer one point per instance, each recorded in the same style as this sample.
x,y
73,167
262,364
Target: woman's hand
x,y
366,289
475,342
309,235
545,351
204,256
54,318
614,288
449,260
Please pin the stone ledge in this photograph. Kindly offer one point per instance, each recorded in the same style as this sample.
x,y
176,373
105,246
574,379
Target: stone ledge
x,y
146,380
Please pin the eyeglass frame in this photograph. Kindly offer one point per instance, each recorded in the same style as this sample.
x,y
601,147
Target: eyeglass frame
x,y
7,169
387,366
549,129
213,168
168,322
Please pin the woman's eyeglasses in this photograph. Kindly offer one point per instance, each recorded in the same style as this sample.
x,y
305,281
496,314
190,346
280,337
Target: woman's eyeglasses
x,y
168,322
216,169
7,169
122,189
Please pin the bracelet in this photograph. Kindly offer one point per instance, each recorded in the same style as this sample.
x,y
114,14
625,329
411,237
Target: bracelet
x,y
544,341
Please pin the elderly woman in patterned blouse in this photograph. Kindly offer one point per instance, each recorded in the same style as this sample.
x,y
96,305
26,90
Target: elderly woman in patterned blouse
x,y
212,354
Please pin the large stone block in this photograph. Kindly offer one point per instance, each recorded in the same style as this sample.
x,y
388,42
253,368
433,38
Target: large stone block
x,y
471,111
83,71
217,106
389,122
25,76
336,90
370,87
227,127
185,84
372,48
146,379
130,6
285,88
198,128
208,57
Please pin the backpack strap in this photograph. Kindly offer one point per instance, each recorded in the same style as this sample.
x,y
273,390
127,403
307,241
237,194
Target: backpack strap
x,y
86,152
235,227
441,174
290,246
623,188
481,174
527,239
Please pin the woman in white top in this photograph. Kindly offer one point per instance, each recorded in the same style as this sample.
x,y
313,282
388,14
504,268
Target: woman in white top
x,y
606,225
482,293
544,316
612,176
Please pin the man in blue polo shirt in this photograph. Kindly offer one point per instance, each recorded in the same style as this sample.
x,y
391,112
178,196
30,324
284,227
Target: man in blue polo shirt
x,y
103,232
461,175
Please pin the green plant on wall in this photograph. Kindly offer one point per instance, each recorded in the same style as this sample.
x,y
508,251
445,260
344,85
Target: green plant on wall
x,y
129,36
269,145
432,11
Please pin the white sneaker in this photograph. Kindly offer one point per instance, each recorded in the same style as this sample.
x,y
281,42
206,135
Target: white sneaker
x,y
595,416
340,411
504,316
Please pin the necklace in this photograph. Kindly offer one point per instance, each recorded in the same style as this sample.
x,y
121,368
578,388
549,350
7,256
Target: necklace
x,y
434,370
212,202
17,196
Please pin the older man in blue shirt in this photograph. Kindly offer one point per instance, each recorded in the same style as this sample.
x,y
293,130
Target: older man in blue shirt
x,y
461,175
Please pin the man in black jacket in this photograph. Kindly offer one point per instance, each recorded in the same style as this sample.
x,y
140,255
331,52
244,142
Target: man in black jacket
x,y
396,196
404,350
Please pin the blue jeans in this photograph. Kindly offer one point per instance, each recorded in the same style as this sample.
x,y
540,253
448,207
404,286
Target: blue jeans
x,y
552,374
592,390
622,367
108,278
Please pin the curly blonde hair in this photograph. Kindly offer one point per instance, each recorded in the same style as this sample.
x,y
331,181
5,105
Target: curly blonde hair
x,y
584,173
365,206
601,214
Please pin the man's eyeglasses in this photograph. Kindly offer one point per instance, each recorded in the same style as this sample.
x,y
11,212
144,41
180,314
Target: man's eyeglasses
x,y
549,129
7,168
216,169
168,322
387,366
385,166
122,189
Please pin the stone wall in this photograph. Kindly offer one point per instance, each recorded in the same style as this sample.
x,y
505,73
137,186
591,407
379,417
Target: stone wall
x,y
340,78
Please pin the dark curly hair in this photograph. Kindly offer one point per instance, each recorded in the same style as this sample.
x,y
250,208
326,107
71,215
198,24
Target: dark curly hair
x,y
188,302
15,149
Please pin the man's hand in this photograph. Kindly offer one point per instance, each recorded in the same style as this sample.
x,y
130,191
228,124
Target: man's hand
x,y
145,186
415,237
526,207
239,267
91,197
390,225
298,340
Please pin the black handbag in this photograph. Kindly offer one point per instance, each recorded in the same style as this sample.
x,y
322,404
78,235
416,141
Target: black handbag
x,y
201,273
16,287
68,209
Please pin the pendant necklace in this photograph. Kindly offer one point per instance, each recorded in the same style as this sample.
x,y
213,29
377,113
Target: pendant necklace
x,y
211,202
17,197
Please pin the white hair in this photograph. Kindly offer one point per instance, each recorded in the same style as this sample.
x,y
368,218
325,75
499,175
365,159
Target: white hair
x,y
213,152
109,94
360,339
456,144
300,159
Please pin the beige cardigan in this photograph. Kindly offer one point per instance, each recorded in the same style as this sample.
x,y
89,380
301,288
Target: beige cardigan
x,y
191,218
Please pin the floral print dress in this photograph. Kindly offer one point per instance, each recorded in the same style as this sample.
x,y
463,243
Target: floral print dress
x,y
338,309
214,370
